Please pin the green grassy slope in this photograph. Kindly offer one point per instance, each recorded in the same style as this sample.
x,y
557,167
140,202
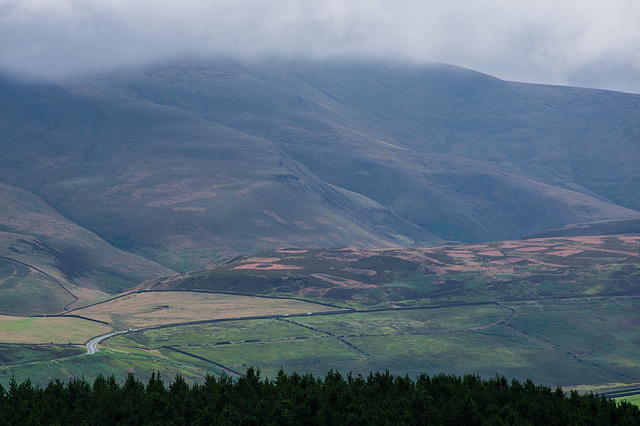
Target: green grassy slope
x,y
561,311
117,363
48,262
605,227
26,291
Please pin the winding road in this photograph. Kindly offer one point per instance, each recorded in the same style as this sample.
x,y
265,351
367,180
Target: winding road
x,y
92,345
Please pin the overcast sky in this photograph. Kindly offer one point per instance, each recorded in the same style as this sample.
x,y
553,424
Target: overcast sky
x,y
592,43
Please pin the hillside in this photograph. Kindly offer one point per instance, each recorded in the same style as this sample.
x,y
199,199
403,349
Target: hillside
x,y
559,311
345,215
191,163
604,227
458,153
49,264
548,268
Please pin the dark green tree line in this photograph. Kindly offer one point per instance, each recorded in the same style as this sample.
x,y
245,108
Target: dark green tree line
x,y
379,398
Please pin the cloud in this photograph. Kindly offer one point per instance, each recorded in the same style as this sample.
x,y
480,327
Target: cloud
x,y
584,42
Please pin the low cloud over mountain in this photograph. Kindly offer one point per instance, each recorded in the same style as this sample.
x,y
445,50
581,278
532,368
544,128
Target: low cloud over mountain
x,y
578,43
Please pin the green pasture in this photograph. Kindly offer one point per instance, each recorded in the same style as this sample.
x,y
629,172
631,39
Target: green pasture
x,y
407,321
106,362
552,342
487,353
634,399
303,355
601,332
212,333
543,362
612,390
16,354
58,330
422,321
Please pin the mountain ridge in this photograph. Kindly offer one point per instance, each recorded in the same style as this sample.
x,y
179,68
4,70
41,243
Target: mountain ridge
x,y
192,162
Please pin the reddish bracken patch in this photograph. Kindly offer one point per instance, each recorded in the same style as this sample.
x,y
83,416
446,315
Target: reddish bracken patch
x,y
626,253
252,187
266,266
341,281
508,260
564,253
441,270
510,246
553,265
531,249
587,239
630,239
345,255
262,259
303,225
461,254
492,253
359,271
417,256
274,215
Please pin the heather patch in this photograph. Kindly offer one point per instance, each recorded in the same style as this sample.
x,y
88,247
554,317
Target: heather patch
x,y
596,240
261,259
564,253
267,266
359,271
491,253
345,255
341,281
531,249
461,254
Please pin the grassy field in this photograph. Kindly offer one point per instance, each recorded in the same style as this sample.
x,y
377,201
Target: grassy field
x,y
146,309
635,399
630,390
414,321
49,330
118,363
212,333
309,342
483,339
546,342
20,354
558,311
